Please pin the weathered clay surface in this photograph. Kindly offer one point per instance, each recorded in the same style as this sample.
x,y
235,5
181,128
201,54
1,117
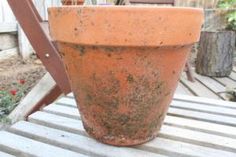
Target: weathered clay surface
x,y
123,93
124,65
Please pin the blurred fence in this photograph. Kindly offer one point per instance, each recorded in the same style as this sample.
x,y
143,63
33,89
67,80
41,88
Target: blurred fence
x,y
198,3
7,19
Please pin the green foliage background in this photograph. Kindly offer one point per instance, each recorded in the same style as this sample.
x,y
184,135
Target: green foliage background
x,y
231,16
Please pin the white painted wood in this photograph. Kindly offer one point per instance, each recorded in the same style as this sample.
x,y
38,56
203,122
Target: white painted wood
x,y
213,128
210,83
43,87
204,108
67,101
88,2
70,95
200,138
8,41
39,4
233,76
203,116
6,13
2,154
178,148
8,27
62,110
226,82
56,3
58,122
206,101
198,89
181,89
1,12
101,2
42,5
75,142
25,47
21,147
8,53
234,68
204,139
211,135
208,127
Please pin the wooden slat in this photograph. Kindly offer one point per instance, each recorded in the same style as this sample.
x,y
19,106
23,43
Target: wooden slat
x,y
89,146
234,69
212,85
181,89
25,48
21,147
218,129
178,148
219,119
62,110
227,82
202,126
67,101
70,95
194,127
2,154
75,142
6,12
233,76
205,101
44,86
52,120
198,89
8,27
200,138
213,110
204,108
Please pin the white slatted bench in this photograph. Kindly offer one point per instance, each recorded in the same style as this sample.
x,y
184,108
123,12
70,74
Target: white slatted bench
x,y
194,127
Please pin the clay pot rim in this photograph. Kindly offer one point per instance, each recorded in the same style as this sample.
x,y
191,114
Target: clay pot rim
x,y
172,30
128,7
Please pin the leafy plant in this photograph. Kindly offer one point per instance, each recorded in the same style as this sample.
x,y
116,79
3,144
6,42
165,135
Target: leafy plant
x,y
231,15
10,99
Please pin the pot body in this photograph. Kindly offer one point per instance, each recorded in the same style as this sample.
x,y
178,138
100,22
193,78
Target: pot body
x,y
123,84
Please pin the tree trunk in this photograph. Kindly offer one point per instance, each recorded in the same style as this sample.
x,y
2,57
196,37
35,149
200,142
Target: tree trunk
x,y
215,54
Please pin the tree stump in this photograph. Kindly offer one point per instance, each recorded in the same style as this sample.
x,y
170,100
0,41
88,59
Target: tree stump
x,y
215,53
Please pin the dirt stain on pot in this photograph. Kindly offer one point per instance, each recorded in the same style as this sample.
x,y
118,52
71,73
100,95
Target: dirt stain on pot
x,y
130,78
80,49
146,94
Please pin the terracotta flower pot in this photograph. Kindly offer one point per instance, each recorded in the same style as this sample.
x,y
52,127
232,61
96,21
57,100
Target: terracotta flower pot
x,y
124,64
72,2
